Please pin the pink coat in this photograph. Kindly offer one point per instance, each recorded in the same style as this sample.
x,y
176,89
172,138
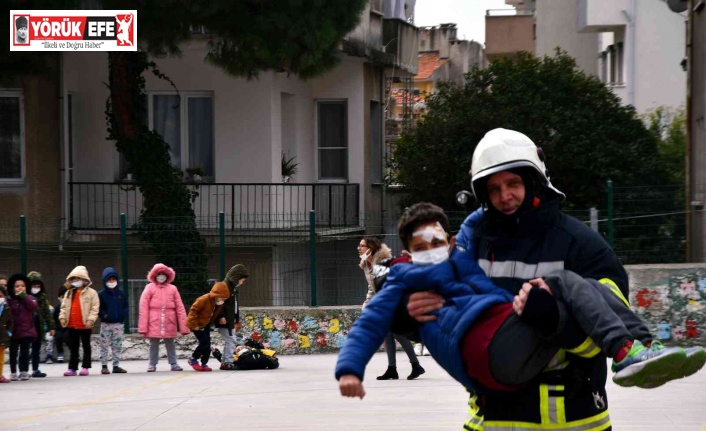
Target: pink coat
x,y
162,313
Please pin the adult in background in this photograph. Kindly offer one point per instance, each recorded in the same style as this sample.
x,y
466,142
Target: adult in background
x,y
373,252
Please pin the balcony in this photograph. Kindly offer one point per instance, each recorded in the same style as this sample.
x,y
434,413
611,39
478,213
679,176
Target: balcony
x,y
602,15
401,40
508,32
247,206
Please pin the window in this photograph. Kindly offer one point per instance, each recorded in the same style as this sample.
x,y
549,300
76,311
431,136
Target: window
x,y
375,142
11,136
186,124
615,65
333,140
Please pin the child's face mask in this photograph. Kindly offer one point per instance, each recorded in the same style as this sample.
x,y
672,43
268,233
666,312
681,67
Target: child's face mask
x,y
77,283
161,278
219,302
111,284
36,290
430,257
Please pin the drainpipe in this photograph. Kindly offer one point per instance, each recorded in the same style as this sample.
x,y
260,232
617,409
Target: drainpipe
x,y
63,130
383,149
692,242
631,17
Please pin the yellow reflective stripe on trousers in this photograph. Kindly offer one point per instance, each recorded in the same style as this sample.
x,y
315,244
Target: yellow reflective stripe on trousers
x,y
615,289
475,420
587,349
551,407
598,422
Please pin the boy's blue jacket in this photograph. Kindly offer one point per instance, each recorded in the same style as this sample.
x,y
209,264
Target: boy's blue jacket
x,y
113,302
465,301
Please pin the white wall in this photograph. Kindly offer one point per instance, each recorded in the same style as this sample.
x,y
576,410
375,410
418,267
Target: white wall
x,y
556,26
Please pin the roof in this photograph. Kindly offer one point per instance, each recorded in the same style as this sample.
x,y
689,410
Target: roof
x,y
429,62
398,94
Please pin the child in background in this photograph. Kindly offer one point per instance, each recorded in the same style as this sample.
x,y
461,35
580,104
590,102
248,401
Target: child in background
x,y
43,321
79,312
5,330
23,307
60,334
113,311
162,315
202,315
230,314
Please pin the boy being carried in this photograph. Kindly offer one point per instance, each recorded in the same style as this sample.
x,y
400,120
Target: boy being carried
x,y
478,317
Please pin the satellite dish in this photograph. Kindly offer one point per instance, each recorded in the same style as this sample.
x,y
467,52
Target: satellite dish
x,y
677,6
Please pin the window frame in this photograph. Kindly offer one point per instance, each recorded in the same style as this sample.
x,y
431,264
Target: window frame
x,y
184,124
11,92
345,178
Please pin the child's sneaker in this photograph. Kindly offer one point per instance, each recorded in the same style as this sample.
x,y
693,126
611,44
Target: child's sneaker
x,y
695,360
38,373
84,372
70,373
176,367
60,359
13,377
24,375
205,367
649,368
217,354
227,366
151,368
3,379
105,370
49,359
118,370
194,364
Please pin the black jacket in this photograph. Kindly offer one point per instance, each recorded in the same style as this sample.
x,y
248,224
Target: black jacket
x,y
230,309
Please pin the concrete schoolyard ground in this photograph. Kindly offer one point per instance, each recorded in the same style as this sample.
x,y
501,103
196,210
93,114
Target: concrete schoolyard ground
x,y
301,395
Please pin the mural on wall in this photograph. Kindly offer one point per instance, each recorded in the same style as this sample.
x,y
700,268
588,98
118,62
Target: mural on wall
x,y
672,302
299,330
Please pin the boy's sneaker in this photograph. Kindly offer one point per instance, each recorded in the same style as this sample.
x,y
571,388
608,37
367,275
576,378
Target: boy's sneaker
x,y
695,360
60,359
227,367
105,370
3,379
84,372
49,359
151,368
649,367
205,367
13,377
38,373
24,375
194,364
176,367
70,373
118,370
217,354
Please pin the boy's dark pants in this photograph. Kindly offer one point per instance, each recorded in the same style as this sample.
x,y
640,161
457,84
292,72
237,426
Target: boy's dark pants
x,y
60,337
203,350
76,337
519,351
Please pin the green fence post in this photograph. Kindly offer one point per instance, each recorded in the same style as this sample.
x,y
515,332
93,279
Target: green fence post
x,y
312,255
123,258
610,212
23,244
222,242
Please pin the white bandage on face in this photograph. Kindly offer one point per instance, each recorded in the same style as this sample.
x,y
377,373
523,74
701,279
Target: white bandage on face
x,y
429,233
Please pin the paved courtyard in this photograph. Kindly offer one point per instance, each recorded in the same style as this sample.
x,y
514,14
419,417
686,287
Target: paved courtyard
x,y
301,395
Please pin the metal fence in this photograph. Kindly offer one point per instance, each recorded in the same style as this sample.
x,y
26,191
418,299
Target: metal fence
x,y
314,263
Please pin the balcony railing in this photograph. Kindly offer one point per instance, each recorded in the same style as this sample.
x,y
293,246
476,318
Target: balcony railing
x,y
247,206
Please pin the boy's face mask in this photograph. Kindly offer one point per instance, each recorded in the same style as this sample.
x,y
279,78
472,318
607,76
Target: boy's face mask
x,y
111,284
431,256
36,290
220,302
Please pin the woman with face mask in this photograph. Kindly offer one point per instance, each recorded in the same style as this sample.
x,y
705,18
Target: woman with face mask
x,y
162,315
373,252
79,313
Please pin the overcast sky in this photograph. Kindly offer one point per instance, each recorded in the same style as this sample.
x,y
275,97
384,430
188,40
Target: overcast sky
x,y
468,15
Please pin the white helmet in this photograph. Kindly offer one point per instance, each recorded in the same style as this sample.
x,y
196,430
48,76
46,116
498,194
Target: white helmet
x,y
503,149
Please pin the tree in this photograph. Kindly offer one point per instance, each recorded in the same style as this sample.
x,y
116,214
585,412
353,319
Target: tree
x,y
586,133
